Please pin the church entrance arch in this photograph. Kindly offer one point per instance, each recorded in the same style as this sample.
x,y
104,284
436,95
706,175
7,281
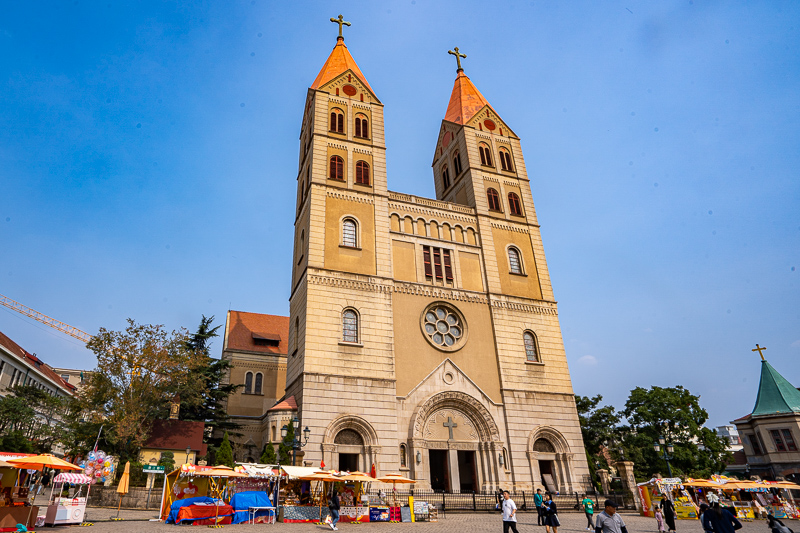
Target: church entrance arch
x,y
350,443
456,441
550,460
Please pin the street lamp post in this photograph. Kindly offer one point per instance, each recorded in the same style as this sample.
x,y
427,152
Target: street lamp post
x,y
188,451
668,450
297,442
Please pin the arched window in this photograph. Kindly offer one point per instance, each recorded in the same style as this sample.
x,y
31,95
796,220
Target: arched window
x,y
337,168
362,173
445,177
486,155
248,383
349,326
337,121
494,200
505,160
403,460
513,204
362,127
259,383
514,261
531,350
457,164
349,233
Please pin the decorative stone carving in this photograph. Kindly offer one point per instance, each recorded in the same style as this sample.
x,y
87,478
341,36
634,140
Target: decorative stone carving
x,y
473,410
438,427
348,436
543,445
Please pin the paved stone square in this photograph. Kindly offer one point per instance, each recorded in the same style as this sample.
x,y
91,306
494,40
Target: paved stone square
x,y
452,523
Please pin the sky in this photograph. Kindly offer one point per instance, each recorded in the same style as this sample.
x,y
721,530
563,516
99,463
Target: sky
x,y
149,150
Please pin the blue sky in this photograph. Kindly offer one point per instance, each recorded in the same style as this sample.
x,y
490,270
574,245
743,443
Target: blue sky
x,y
148,156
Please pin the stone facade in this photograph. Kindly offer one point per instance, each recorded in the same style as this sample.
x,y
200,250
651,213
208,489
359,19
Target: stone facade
x,y
428,328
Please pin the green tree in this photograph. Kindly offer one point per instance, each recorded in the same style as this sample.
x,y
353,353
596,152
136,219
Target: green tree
x,y
207,402
285,447
46,428
675,414
599,427
167,460
139,370
268,456
16,441
16,414
224,455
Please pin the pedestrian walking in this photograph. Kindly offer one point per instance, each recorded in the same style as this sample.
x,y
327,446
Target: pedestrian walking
x,y
538,501
45,482
333,507
659,519
509,513
588,510
669,512
551,519
720,520
608,520
775,525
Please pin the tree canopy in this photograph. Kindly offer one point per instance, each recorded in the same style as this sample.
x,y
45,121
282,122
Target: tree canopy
x,y
671,412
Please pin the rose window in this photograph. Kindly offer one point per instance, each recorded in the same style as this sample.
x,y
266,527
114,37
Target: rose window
x,y
444,327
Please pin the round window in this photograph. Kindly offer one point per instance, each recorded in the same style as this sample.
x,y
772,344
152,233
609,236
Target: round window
x,y
444,327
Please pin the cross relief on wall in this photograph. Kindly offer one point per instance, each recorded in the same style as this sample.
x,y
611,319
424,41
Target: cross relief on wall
x,y
449,425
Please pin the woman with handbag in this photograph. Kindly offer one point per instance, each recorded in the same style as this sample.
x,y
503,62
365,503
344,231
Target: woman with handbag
x,y
333,507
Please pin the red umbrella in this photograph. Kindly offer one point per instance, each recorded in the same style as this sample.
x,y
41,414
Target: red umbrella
x,y
322,464
372,471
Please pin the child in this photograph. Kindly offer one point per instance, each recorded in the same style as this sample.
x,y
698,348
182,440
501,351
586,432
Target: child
x,y
660,520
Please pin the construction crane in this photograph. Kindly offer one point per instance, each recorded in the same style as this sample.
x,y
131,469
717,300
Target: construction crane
x,y
44,319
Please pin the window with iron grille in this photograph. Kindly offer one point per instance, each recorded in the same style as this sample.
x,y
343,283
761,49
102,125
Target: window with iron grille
x,y
514,262
349,234
437,262
350,326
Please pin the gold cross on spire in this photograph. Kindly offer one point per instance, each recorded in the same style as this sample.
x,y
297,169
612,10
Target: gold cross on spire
x,y
341,22
458,57
759,349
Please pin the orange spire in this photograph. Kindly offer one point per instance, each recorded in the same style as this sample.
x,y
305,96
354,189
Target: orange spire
x,y
338,62
465,101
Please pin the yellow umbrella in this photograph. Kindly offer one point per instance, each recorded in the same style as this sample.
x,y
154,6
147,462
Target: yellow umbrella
x,y
320,476
124,483
37,462
394,478
357,476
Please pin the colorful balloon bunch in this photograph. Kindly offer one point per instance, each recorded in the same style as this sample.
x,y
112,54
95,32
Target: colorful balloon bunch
x,y
98,466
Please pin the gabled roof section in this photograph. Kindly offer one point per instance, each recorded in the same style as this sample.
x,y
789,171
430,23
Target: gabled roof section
x,y
339,62
465,100
256,332
775,394
288,404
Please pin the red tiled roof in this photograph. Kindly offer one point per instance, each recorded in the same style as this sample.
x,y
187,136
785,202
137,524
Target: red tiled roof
x,y
176,435
286,404
243,329
465,100
338,62
34,361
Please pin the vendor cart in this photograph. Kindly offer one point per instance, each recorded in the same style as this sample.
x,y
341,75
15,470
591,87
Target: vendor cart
x,y
64,511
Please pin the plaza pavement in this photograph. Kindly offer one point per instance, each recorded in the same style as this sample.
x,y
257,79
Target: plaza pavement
x,y
452,523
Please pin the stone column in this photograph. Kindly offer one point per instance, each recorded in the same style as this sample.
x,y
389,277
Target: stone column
x,y
455,478
605,480
625,469
327,455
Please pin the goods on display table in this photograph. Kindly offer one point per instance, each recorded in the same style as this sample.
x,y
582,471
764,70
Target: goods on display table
x,y
218,495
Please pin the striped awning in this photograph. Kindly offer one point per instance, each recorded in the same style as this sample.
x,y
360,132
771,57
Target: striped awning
x,y
80,479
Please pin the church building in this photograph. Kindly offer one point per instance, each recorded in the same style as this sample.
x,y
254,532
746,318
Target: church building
x,y
423,333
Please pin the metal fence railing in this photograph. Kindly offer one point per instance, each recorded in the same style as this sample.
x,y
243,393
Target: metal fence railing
x,y
487,501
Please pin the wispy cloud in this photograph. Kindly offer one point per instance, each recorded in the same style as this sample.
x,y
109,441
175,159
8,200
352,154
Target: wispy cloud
x,y
588,360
